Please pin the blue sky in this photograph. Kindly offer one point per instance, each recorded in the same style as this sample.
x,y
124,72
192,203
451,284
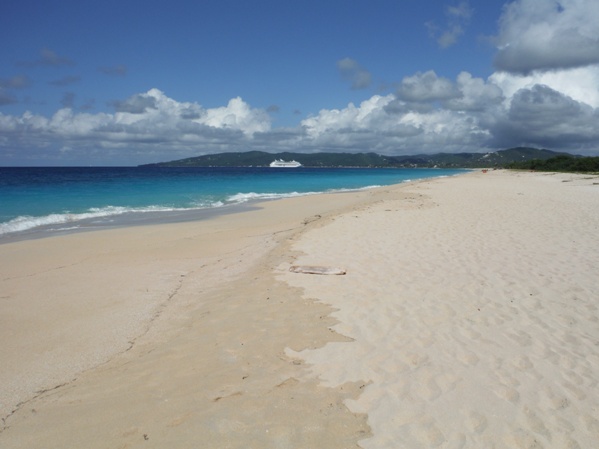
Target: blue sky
x,y
122,83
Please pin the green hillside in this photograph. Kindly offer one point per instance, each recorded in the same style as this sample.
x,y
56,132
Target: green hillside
x,y
441,160
263,159
560,163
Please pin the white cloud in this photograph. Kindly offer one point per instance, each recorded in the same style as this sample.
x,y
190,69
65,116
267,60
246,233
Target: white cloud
x,y
389,125
474,94
582,84
237,115
434,114
136,104
368,116
428,114
426,87
543,35
154,109
151,120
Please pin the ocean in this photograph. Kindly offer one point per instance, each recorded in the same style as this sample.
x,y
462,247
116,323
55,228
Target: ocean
x,y
42,201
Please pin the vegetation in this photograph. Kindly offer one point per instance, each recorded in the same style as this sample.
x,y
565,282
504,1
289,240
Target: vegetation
x,y
263,159
560,163
498,159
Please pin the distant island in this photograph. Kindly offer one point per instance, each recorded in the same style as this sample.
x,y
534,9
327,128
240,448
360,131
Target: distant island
x,y
510,158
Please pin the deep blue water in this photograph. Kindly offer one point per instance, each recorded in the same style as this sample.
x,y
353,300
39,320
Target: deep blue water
x,y
53,198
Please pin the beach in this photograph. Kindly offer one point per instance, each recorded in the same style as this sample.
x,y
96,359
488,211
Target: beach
x,y
467,317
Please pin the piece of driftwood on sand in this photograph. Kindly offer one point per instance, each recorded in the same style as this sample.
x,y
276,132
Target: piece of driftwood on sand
x,y
309,269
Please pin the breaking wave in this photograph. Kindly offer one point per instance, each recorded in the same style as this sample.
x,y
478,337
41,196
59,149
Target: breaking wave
x,y
26,222
73,221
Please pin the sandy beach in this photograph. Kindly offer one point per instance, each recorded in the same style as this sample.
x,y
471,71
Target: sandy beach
x,y
467,317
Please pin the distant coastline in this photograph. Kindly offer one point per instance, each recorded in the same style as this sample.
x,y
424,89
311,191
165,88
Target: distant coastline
x,y
499,159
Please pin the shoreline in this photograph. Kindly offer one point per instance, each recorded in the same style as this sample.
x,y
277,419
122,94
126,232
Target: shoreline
x,y
124,220
109,267
223,346
119,216
150,218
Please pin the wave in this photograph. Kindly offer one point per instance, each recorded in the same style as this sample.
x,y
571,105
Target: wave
x,y
27,222
73,221
253,196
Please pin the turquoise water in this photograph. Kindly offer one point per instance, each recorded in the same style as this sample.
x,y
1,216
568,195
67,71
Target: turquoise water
x,y
54,199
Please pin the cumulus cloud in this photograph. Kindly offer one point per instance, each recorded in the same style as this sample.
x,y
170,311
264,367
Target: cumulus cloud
x,y
582,84
136,104
153,110
427,114
434,114
474,94
545,35
370,115
351,71
545,117
426,87
390,125
150,121
237,115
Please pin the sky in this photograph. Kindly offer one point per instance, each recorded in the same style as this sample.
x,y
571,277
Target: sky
x,y
133,82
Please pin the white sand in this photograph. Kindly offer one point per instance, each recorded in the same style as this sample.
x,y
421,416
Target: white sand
x,y
467,317
168,336
473,308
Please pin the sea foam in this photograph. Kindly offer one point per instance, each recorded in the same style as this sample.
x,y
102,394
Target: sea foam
x,y
26,222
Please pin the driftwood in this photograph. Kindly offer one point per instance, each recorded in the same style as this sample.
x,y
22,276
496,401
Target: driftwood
x,y
308,269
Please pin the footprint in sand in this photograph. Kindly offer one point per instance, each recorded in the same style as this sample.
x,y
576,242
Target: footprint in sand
x,y
507,393
430,390
523,439
521,337
427,431
592,424
536,424
476,422
523,363
468,358
577,392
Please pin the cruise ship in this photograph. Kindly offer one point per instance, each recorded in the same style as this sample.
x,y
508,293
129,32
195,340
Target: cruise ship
x,y
286,164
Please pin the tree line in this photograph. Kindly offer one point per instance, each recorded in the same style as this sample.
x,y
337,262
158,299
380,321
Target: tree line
x,y
560,163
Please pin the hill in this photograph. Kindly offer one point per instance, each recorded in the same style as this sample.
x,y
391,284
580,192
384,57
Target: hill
x,y
560,163
441,160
